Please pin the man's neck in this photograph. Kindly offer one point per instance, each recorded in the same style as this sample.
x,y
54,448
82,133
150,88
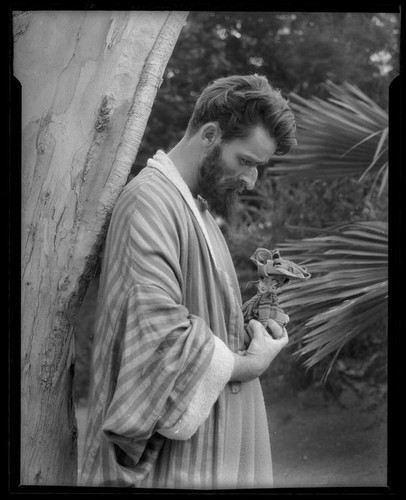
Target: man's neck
x,y
186,159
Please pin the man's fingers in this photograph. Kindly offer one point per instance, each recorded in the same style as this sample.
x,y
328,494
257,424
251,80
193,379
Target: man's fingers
x,y
276,329
281,341
284,338
278,332
257,330
285,318
254,327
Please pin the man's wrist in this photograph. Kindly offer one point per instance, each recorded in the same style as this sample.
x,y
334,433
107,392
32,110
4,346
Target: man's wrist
x,y
244,369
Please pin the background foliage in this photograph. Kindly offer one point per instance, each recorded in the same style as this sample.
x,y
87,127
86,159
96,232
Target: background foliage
x,y
299,52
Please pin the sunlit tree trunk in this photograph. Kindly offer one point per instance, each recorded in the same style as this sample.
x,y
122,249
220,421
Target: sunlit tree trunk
x,y
88,82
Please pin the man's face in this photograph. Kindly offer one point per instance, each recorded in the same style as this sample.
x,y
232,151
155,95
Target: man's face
x,y
231,167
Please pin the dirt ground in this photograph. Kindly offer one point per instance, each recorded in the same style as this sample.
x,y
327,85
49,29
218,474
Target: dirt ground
x,y
316,443
319,443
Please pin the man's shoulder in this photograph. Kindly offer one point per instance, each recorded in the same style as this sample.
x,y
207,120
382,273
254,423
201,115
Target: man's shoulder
x,y
150,188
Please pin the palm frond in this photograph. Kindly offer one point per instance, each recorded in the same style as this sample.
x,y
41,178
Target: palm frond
x,y
345,135
347,293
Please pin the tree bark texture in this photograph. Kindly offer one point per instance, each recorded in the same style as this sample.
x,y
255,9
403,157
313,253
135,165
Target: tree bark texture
x,y
88,81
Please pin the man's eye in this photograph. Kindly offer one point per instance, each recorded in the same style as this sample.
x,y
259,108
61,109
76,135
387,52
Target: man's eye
x,y
247,163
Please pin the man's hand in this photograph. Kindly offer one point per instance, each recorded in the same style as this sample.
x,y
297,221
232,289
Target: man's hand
x,y
261,351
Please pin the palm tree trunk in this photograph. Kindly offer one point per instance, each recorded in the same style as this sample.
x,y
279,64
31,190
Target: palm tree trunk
x,y
88,83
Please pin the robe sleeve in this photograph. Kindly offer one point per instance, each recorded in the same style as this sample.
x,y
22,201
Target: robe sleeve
x,y
207,393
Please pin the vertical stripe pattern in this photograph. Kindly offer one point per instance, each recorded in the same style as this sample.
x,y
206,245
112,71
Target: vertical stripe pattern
x,y
161,299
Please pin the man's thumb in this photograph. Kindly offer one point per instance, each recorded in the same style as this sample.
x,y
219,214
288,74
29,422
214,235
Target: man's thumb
x,y
254,327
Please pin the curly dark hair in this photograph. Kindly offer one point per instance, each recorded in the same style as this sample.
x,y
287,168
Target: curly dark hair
x,y
239,103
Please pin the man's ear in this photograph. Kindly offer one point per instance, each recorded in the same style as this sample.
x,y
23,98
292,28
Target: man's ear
x,y
210,134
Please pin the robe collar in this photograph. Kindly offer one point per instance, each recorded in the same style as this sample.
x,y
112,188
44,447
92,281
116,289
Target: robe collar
x,y
165,165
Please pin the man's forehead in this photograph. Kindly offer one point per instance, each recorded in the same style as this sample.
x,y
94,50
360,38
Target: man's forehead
x,y
259,146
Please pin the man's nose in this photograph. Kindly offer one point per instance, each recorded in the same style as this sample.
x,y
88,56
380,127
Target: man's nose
x,y
250,178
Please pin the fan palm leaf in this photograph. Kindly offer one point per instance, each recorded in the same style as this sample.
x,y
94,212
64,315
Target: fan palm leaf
x,y
347,293
345,135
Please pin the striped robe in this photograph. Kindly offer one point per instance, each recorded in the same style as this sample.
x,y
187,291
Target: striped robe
x,y
168,317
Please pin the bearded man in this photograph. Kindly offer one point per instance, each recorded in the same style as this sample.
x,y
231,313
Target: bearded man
x,y
175,397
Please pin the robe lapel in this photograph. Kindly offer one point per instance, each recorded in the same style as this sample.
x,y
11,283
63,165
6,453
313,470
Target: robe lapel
x,y
165,165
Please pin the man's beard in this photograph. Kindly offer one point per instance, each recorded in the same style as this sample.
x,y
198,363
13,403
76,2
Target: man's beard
x,y
220,194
